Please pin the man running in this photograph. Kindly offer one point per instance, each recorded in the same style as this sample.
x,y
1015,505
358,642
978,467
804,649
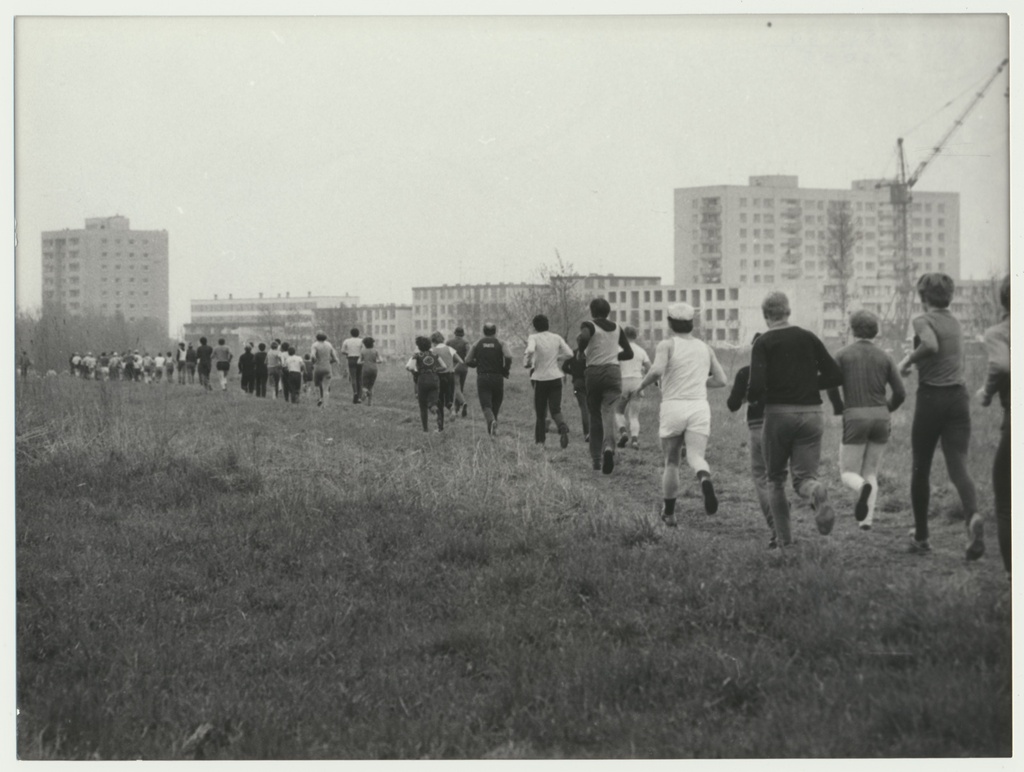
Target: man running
x,y
545,352
686,367
605,345
865,411
492,361
627,409
461,346
204,363
788,367
351,348
323,357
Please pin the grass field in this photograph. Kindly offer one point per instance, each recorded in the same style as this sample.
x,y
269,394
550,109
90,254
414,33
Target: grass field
x,y
215,576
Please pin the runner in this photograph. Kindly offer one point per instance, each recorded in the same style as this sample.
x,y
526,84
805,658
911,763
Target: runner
x,y
274,366
686,367
204,361
323,357
190,363
461,345
755,426
260,371
545,352
627,409
605,345
24,363
181,362
350,348
997,346
369,358
293,364
576,368
428,391
942,412
222,359
492,361
788,367
446,377
247,370
866,371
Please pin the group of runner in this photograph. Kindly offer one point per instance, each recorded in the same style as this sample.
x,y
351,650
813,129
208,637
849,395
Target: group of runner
x,y
781,387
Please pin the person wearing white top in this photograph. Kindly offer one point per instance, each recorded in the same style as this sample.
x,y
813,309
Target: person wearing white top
x,y
322,354
545,352
627,410
686,367
351,347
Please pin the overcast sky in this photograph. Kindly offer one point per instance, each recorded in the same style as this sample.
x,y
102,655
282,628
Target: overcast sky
x,y
356,155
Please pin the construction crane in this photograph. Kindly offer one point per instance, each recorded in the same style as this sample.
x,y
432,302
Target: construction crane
x,y
900,197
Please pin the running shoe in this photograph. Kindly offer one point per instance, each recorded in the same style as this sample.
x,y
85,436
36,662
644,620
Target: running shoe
x,y
623,439
635,443
918,547
824,516
861,510
609,461
976,537
710,499
563,438
669,520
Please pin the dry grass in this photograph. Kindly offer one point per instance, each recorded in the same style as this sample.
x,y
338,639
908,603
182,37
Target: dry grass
x,y
207,576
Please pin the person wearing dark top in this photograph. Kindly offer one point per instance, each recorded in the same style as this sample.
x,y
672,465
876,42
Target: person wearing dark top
x,y
788,367
997,347
867,370
260,371
576,368
190,363
755,424
247,369
942,412
461,345
204,363
428,386
492,361
605,345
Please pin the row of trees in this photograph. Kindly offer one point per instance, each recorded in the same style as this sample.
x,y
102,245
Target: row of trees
x,y
51,336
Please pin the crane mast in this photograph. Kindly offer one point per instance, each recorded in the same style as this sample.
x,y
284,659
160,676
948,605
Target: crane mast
x,y
900,197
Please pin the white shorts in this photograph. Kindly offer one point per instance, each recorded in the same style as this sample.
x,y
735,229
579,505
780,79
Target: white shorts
x,y
685,415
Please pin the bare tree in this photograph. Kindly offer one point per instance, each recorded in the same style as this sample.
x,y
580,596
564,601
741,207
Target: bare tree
x,y
843,236
559,296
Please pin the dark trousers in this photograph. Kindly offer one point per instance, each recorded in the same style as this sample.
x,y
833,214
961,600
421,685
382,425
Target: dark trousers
x,y
447,386
1001,487
355,376
604,387
248,381
490,389
791,441
547,396
260,379
942,414
294,381
428,394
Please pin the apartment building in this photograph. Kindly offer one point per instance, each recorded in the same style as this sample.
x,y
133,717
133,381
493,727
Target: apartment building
x,y
107,268
389,325
261,318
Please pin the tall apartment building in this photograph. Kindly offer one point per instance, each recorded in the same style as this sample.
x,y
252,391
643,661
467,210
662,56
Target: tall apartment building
x,y
107,268
772,233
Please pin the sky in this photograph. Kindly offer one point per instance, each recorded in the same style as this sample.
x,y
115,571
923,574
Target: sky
x,y
367,155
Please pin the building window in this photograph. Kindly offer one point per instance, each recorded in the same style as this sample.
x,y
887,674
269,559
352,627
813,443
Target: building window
x,y
720,294
671,296
734,293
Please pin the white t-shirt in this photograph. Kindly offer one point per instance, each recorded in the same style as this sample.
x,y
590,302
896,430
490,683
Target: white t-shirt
x,y
545,351
351,347
294,363
634,368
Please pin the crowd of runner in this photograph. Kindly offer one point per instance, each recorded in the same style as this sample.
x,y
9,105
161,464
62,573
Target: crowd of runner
x,y
609,371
